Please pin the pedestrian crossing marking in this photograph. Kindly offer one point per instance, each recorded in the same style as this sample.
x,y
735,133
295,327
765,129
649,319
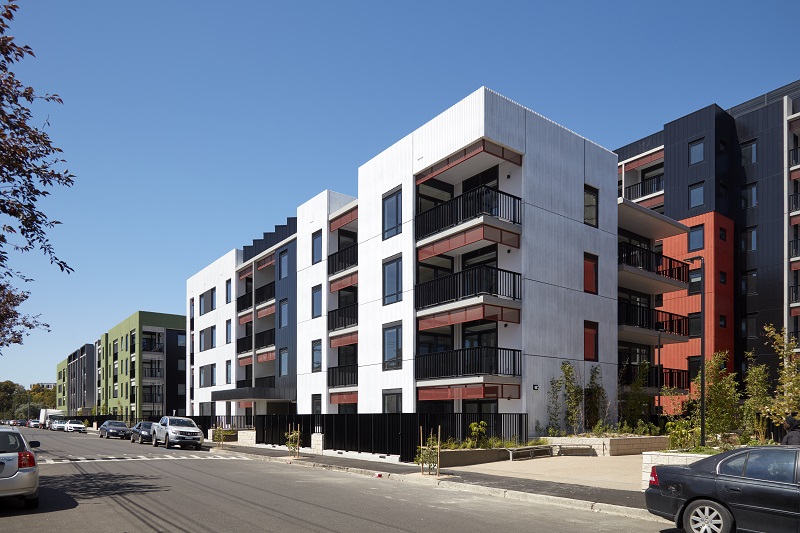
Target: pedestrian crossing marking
x,y
111,458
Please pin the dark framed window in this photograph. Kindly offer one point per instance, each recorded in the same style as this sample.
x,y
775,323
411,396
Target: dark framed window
x,y
316,356
749,153
696,195
208,375
749,195
695,281
695,325
316,301
208,338
316,404
392,402
393,347
316,247
392,214
723,321
750,282
590,208
228,331
723,234
696,238
228,291
590,345
283,362
283,264
208,301
749,241
228,372
283,314
658,300
393,281
749,326
696,152
723,278
590,273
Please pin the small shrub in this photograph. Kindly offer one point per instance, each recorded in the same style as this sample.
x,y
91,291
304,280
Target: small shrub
x,y
478,431
293,440
426,455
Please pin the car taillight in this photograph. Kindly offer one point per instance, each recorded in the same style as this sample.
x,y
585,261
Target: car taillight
x,y
25,460
653,477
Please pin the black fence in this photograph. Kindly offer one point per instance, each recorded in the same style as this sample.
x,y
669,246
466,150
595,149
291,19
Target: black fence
x,y
343,259
636,256
474,203
656,376
244,344
245,301
645,187
484,360
654,319
393,434
468,283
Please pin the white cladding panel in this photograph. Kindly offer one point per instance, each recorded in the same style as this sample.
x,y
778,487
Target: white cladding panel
x,y
505,121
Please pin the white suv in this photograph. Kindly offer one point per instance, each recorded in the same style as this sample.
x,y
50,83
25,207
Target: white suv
x,y
177,430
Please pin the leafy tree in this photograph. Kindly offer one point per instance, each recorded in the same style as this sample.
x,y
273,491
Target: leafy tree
x,y
554,407
722,395
573,397
757,398
9,394
46,397
596,399
634,402
28,168
786,400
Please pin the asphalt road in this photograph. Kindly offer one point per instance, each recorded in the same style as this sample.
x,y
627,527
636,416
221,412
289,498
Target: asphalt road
x,y
92,484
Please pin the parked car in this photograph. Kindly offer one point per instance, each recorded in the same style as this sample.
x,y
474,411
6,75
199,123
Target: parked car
x,y
142,432
177,430
19,471
749,489
115,428
75,425
57,425
33,423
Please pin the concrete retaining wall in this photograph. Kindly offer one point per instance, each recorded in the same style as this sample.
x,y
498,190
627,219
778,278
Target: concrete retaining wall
x,y
651,459
451,458
616,445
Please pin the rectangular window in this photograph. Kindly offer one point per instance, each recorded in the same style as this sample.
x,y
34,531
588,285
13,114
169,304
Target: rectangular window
x,y
749,154
696,195
695,325
749,327
696,238
695,281
316,356
723,321
590,347
696,152
750,195
228,372
316,247
208,375
393,281
283,314
750,282
316,301
590,196
208,301
723,278
316,404
590,273
723,234
392,402
181,340
392,214
749,243
228,331
228,291
283,264
283,363
208,338
393,347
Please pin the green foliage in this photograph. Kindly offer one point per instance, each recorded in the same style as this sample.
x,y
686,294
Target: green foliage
x,y
219,435
477,435
682,434
293,440
722,397
595,399
786,399
573,397
757,398
634,403
427,455
554,408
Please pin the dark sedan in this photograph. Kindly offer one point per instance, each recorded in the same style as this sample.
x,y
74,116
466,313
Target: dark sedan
x,y
746,490
115,428
142,432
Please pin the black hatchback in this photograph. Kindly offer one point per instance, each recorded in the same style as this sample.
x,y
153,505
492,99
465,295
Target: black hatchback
x,y
748,489
142,432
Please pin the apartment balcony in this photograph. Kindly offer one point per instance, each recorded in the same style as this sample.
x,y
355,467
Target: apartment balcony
x,y
645,187
152,372
265,339
342,318
646,222
481,361
244,344
650,272
642,325
265,293
244,302
343,376
794,294
657,376
343,259
150,345
263,389
152,398
794,157
482,201
477,281
794,202
265,382
794,249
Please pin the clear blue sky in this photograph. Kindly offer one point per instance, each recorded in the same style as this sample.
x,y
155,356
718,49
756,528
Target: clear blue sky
x,y
193,127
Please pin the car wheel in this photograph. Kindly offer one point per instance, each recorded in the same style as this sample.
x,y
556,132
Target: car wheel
x,y
108,436
133,439
704,516
167,444
198,447
100,435
32,503
155,442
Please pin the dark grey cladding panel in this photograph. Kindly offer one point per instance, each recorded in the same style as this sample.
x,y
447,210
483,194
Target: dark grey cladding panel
x,y
270,239
286,289
642,145
791,90
254,393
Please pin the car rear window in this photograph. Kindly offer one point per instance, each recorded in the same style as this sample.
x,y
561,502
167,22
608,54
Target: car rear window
x,y
9,442
117,424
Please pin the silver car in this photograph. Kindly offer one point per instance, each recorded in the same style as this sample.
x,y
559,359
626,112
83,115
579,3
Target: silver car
x,y
172,430
19,471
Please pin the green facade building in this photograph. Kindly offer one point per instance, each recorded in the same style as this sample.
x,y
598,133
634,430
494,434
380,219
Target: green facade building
x,y
61,385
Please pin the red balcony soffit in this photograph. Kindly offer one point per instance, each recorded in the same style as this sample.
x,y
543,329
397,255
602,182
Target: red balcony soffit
x,y
266,356
246,273
344,397
269,310
347,281
468,314
245,319
267,261
344,340
244,361
636,163
470,151
469,392
344,219
470,236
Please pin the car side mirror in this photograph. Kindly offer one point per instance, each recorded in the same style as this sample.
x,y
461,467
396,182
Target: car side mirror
x,y
34,444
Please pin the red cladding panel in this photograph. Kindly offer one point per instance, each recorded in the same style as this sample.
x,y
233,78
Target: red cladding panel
x,y
344,397
244,361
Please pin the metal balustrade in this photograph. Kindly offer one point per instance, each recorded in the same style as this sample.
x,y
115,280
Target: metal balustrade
x,y
645,187
477,202
484,360
342,318
343,259
343,376
265,293
636,256
476,281
655,319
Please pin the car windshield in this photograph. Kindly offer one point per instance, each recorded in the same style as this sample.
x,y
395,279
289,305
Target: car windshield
x,y
78,422
147,425
10,442
117,424
181,422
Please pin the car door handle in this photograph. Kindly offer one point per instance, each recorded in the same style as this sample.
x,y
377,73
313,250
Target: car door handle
x,y
733,489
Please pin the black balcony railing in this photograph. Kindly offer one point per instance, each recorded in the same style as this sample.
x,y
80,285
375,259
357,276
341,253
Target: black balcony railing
x,y
343,259
480,361
151,345
647,318
343,376
794,157
244,383
669,377
468,283
477,202
344,317
643,188
636,256
265,338
244,344
267,382
152,372
245,301
794,294
151,398
794,248
794,202
265,293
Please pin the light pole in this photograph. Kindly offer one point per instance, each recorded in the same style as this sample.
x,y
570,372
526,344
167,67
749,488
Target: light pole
x,y
702,346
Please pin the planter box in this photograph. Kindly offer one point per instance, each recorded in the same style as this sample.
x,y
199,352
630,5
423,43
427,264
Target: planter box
x,y
651,459
471,457
616,445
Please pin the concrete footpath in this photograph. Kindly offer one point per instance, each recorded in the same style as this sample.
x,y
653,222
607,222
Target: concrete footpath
x,y
600,484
